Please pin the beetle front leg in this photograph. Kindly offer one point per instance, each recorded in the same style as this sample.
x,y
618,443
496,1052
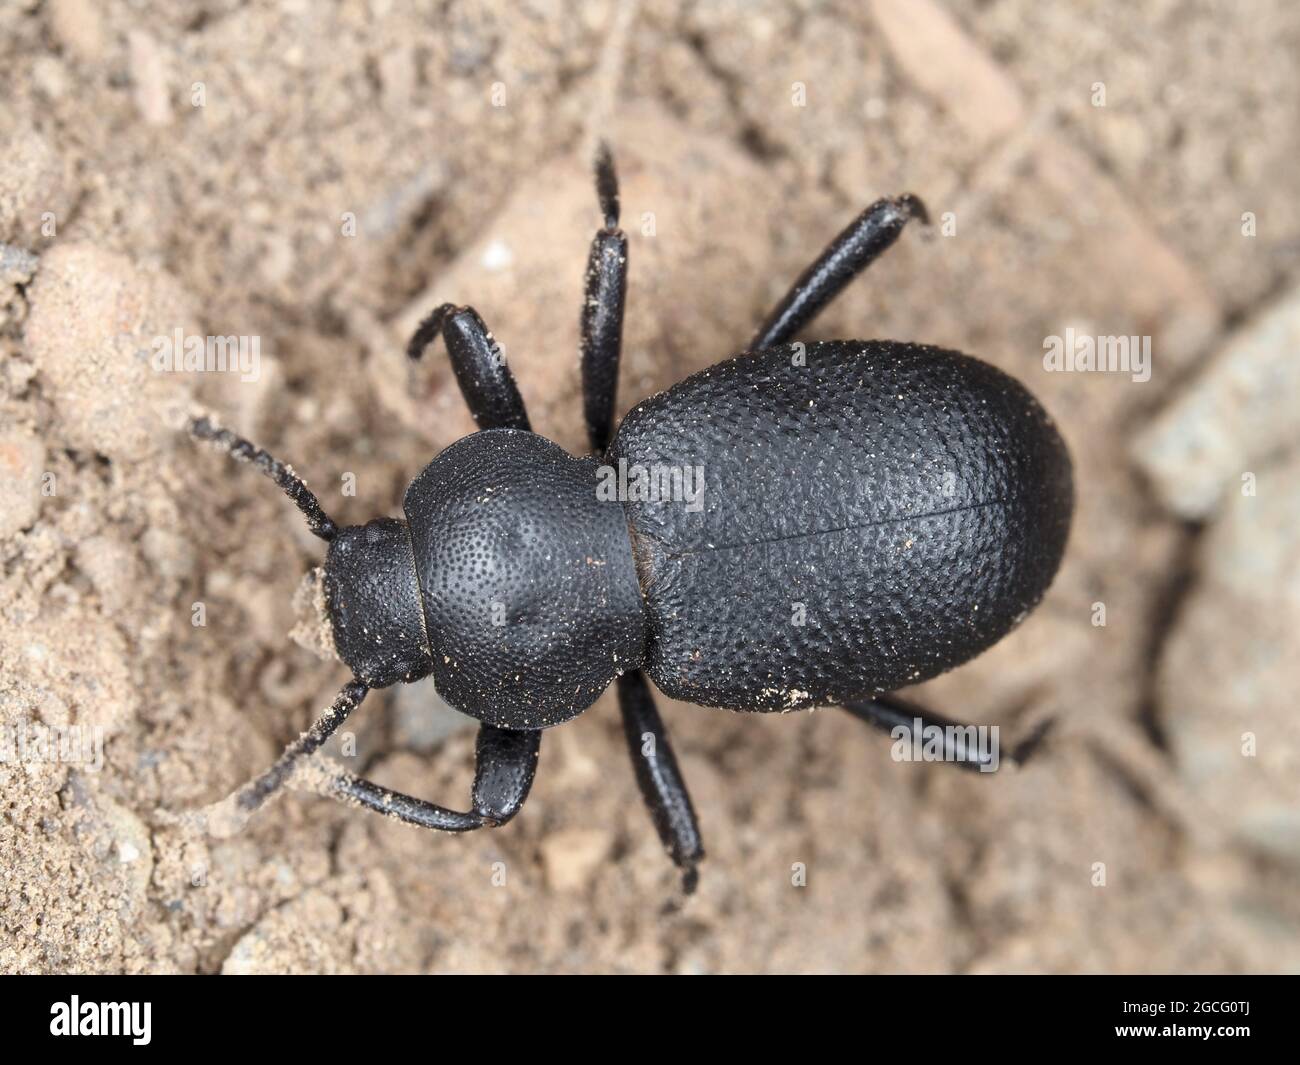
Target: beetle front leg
x,y
660,780
505,761
479,363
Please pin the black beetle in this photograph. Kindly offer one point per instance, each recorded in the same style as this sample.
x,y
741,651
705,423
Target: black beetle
x,y
851,517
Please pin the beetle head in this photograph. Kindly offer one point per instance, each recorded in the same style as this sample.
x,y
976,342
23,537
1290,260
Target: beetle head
x,y
372,595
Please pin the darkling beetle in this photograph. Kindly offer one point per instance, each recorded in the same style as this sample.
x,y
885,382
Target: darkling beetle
x,y
876,513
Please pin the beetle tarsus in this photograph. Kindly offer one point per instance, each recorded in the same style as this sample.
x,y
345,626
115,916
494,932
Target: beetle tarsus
x,y
607,185
1029,745
855,248
914,207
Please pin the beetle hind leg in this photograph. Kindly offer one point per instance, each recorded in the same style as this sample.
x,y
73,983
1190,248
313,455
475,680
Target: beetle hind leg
x,y
858,245
959,744
601,322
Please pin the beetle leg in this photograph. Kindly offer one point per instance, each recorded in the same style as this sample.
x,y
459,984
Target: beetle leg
x,y
602,309
659,778
505,761
479,363
888,713
657,774
856,248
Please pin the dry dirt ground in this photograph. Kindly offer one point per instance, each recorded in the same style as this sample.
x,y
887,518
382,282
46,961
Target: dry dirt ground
x,y
317,175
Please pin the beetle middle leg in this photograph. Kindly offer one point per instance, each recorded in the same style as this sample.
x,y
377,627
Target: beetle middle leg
x,y
856,248
479,363
605,291
659,778
505,761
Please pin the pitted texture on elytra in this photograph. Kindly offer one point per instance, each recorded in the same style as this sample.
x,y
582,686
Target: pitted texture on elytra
x,y
530,591
872,517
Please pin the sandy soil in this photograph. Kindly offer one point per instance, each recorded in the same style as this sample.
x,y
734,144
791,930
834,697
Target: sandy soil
x,y
319,175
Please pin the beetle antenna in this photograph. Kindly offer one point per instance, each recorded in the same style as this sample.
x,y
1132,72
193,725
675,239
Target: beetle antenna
x,y
241,450
257,791
607,185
